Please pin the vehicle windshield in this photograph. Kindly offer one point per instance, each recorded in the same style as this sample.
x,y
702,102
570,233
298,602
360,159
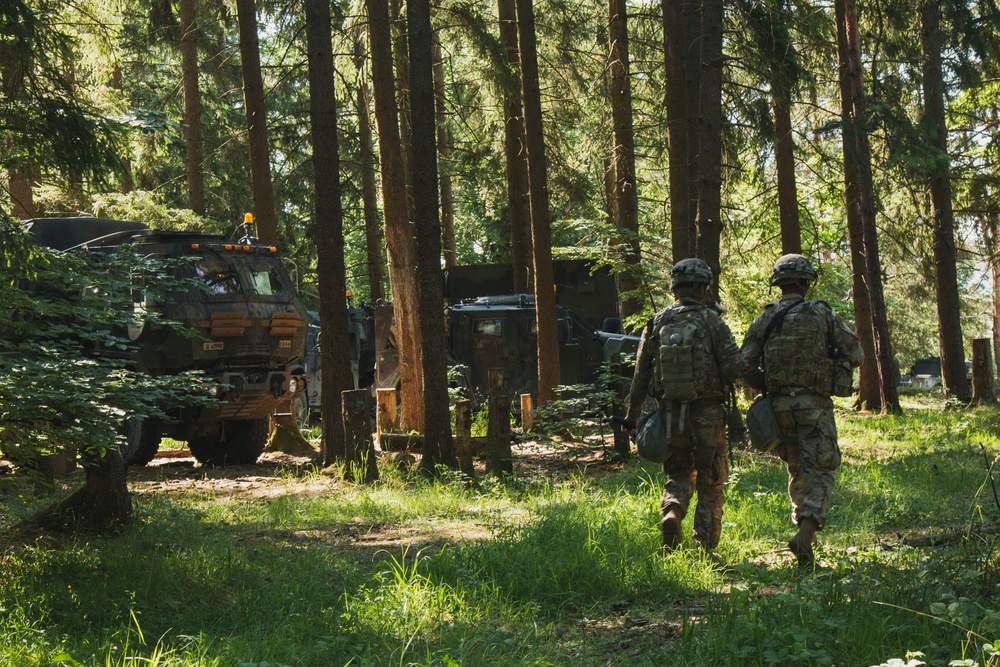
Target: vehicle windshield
x,y
219,276
266,279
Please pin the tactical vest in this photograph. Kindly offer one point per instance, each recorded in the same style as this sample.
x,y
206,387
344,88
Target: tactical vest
x,y
685,367
797,352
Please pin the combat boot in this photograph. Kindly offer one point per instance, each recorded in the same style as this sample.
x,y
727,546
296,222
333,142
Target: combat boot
x,y
801,543
670,528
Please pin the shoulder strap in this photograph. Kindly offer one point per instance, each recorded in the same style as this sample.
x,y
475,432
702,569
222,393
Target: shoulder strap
x,y
774,326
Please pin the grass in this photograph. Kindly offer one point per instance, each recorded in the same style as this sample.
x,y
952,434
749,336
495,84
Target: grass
x,y
547,569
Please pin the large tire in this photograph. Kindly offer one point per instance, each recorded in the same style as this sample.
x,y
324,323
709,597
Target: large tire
x,y
242,443
142,440
301,411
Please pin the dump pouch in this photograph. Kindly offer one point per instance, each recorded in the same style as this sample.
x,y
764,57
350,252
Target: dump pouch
x,y
651,437
843,377
762,425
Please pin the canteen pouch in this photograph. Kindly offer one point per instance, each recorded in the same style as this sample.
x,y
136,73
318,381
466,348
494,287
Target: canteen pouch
x,y
651,440
762,425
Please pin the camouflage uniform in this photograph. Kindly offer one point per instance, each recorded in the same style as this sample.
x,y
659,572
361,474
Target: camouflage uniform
x,y
697,458
797,374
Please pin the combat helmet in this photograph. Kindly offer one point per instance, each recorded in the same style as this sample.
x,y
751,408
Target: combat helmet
x,y
792,268
690,271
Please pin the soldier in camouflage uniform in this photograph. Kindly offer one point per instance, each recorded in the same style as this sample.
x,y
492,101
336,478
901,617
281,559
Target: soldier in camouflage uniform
x,y
790,352
696,458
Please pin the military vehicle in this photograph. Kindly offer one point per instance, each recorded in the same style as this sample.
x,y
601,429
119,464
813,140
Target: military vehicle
x,y
360,331
589,290
249,324
501,332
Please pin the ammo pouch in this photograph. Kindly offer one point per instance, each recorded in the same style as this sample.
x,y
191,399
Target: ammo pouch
x,y
762,425
843,377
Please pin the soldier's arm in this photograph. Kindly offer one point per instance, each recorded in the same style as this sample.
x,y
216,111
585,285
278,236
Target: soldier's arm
x,y
643,372
727,355
751,357
845,341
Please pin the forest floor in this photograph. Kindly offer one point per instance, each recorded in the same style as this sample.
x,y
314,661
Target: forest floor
x,y
278,563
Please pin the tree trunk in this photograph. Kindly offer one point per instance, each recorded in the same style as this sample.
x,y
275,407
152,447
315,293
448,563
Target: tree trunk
x,y
192,108
939,188
626,198
444,160
398,234
21,194
784,158
709,211
103,504
253,96
359,449
990,237
518,203
401,58
499,461
329,239
463,438
369,187
438,447
678,20
860,196
541,230
983,386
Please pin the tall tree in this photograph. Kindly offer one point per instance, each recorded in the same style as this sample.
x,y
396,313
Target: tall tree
x,y
369,186
265,214
398,233
192,107
541,226
877,389
709,209
626,198
437,446
329,229
953,372
681,27
518,204
445,162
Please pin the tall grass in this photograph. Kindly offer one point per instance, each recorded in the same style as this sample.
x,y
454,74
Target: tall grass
x,y
535,571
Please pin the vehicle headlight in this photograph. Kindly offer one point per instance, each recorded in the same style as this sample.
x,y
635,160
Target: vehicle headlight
x,y
213,391
293,385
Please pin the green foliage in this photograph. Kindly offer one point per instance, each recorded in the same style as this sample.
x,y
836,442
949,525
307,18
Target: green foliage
x,y
66,376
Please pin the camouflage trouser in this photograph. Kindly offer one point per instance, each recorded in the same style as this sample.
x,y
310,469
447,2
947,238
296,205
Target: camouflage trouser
x,y
809,447
697,462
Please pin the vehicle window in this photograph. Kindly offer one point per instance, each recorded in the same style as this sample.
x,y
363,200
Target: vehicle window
x,y
531,327
220,277
488,328
266,282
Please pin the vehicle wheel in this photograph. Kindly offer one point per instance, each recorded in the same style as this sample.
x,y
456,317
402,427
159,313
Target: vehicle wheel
x,y
242,443
300,408
142,440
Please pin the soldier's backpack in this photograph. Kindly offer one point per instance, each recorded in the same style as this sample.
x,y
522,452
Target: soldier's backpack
x,y
796,353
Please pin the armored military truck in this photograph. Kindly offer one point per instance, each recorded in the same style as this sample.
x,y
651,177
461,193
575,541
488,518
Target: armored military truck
x,y
501,332
249,324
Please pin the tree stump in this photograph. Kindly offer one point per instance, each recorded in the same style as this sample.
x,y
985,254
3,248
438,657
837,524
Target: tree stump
x,y
499,459
463,437
361,464
527,413
386,419
983,385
